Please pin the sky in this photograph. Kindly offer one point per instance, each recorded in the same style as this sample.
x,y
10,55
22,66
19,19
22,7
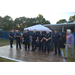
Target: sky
x,y
53,17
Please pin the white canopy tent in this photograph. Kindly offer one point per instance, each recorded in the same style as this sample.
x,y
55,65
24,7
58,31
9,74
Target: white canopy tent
x,y
38,28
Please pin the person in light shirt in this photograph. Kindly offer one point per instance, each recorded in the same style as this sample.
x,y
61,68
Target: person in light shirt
x,y
69,44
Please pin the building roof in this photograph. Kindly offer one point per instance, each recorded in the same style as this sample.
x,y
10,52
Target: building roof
x,y
59,27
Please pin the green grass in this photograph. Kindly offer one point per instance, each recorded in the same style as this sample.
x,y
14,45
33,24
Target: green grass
x,y
5,60
70,60
4,42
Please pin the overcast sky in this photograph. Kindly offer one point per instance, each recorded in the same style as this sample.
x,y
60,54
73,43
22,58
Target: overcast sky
x,y
53,17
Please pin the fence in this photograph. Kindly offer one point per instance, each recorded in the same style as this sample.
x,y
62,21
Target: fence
x,y
5,34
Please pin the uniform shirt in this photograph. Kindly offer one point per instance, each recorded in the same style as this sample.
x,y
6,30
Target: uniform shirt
x,y
34,36
41,36
70,39
28,34
56,37
47,36
11,34
18,34
25,36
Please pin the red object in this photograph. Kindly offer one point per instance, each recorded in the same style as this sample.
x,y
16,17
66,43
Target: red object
x,y
66,37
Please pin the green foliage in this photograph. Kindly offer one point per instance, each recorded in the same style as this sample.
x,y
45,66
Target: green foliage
x,y
62,21
41,20
71,19
7,24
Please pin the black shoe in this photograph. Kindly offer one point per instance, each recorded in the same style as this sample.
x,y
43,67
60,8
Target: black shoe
x,y
26,49
39,51
12,47
32,50
16,48
59,54
48,51
44,52
20,48
55,54
29,49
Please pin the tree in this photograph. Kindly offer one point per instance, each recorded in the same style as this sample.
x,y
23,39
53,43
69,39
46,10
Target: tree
x,y
1,22
7,23
71,19
61,21
41,20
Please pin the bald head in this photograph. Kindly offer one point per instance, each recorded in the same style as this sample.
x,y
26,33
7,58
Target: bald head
x,y
16,31
34,31
40,31
55,31
47,31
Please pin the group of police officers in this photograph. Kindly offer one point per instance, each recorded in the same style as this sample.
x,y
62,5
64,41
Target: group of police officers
x,y
43,39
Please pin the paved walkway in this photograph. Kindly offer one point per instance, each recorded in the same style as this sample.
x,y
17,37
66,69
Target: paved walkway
x,y
29,56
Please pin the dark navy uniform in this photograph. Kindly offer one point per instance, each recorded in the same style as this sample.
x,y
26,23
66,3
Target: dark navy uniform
x,y
47,43
18,40
56,39
11,37
34,38
25,38
41,43
28,40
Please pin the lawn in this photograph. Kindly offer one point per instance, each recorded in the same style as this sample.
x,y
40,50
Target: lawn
x,y
70,60
5,60
4,42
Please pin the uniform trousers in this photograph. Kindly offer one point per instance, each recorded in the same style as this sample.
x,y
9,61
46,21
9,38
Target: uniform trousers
x,y
11,42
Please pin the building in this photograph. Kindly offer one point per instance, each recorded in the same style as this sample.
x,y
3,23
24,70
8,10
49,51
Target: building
x,y
61,27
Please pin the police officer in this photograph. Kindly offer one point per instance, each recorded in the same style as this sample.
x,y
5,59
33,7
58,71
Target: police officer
x,y
18,37
28,39
56,39
47,41
11,37
41,41
25,38
34,40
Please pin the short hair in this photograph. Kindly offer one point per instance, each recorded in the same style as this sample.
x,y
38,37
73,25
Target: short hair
x,y
69,30
12,30
55,29
27,29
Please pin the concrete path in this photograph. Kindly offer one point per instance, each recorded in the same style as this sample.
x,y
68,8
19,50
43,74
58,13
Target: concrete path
x,y
29,56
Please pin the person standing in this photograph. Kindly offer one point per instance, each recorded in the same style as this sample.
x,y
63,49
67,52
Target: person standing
x,y
11,37
41,41
34,40
18,37
69,44
47,41
56,39
28,39
25,39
